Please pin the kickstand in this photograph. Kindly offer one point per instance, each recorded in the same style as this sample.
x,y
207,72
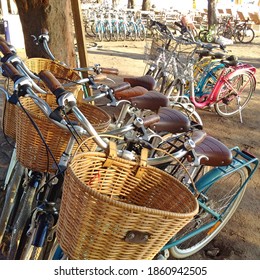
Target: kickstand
x,y
240,114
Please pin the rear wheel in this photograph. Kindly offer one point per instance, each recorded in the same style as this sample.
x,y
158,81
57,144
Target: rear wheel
x,y
245,35
235,93
223,197
225,31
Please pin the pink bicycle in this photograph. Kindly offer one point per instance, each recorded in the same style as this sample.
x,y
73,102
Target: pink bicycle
x,y
232,91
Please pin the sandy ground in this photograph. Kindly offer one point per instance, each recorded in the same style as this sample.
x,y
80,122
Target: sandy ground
x,y
240,239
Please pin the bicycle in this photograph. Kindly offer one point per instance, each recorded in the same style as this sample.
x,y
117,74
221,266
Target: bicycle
x,y
241,31
240,160
53,209
231,91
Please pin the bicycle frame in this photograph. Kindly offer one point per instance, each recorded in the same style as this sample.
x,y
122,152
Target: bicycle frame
x,y
226,73
240,159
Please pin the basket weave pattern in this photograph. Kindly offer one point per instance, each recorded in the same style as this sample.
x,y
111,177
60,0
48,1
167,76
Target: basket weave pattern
x,y
8,119
62,73
31,151
103,200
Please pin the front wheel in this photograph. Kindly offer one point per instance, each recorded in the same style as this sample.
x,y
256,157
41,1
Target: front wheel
x,y
235,93
223,197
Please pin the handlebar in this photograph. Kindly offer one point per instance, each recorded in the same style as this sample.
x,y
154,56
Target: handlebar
x,y
10,71
67,99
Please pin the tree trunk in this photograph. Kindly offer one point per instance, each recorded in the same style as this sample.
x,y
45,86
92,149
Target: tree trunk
x,y
56,17
146,5
212,16
131,4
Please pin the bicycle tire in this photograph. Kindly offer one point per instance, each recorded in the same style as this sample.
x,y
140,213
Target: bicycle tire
x,y
162,81
10,197
122,31
115,32
93,29
225,32
99,32
217,189
174,89
235,93
203,35
88,30
246,35
131,31
141,32
107,33
21,221
56,252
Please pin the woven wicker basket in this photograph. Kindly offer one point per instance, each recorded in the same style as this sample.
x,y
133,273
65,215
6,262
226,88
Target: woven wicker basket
x,y
113,208
31,151
62,73
8,119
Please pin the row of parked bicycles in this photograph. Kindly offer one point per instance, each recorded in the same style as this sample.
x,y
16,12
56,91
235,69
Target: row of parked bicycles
x,y
104,24
145,183
229,28
205,74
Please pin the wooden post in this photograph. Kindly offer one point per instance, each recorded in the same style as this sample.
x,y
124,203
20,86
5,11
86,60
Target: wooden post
x,y
80,37
80,33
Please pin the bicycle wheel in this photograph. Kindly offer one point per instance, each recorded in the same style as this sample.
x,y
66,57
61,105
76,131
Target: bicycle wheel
x,y
235,93
122,31
245,35
225,31
37,245
115,32
141,32
99,32
203,35
131,31
56,252
10,197
174,89
107,32
162,81
219,198
24,213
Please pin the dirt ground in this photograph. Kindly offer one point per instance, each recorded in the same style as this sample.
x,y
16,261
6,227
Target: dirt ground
x,y
240,239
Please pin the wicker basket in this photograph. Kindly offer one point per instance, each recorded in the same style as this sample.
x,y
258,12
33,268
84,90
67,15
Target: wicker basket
x,y
31,151
113,208
62,73
8,119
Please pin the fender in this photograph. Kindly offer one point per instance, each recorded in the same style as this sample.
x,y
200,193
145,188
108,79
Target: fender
x,y
216,173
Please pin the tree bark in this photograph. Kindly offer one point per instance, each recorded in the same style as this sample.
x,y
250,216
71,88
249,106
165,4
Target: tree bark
x,y
131,4
146,5
56,17
212,15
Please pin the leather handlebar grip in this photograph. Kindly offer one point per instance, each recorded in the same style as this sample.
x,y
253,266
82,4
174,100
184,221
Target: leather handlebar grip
x,y
112,71
50,81
150,120
4,48
121,87
10,71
